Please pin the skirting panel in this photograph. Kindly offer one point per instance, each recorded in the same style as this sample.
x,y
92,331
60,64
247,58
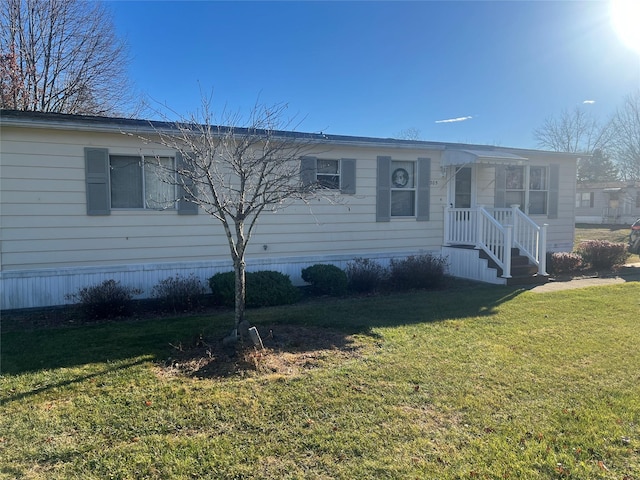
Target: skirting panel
x,y
465,263
50,287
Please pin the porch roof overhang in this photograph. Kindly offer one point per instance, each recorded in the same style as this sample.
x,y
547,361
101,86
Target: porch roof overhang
x,y
461,157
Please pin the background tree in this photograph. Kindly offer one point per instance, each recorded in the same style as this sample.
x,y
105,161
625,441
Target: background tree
x,y
61,56
626,144
236,172
575,131
597,168
411,133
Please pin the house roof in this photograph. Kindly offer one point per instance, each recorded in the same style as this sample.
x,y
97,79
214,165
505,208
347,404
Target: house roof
x,y
473,153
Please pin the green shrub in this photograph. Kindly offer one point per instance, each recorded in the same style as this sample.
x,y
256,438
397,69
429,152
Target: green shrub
x,y
602,254
416,272
326,279
365,275
108,299
178,293
564,262
264,288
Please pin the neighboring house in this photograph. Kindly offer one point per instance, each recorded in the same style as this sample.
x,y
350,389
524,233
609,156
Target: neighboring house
x,y
608,203
73,214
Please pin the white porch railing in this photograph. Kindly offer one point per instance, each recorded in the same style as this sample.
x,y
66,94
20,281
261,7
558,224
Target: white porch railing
x,y
496,231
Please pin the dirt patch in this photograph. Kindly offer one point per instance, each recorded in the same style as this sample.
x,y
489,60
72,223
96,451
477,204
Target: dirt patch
x,y
288,350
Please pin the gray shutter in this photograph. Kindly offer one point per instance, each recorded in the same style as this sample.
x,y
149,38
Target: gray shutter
x,y
308,169
424,189
96,168
185,186
383,194
501,185
348,176
554,190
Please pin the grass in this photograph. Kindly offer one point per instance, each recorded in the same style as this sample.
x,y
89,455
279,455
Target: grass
x,y
475,382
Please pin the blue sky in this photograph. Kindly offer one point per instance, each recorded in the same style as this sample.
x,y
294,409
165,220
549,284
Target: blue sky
x,y
378,68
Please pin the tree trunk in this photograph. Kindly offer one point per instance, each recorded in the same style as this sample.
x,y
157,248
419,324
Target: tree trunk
x,y
241,289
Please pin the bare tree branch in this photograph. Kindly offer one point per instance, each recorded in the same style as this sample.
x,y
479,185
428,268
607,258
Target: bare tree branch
x,y
575,131
61,56
627,137
236,172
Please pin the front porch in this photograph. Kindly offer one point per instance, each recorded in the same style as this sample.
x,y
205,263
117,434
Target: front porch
x,y
495,245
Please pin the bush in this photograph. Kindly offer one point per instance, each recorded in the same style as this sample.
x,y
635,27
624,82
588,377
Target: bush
x,y
365,275
106,300
415,272
178,293
564,262
602,254
326,279
264,288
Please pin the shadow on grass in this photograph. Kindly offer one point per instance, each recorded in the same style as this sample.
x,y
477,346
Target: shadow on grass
x,y
13,396
52,348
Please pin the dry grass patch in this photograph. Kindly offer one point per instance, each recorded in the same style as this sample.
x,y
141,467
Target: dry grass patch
x,y
289,350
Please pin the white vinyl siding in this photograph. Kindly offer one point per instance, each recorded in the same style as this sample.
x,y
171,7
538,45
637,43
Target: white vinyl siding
x,y
46,231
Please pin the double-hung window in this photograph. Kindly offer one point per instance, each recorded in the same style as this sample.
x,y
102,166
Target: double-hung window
x,y
527,187
328,173
584,200
142,182
403,189
538,190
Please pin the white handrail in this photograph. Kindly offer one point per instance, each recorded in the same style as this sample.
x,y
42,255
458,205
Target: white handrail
x,y
495,239
496,231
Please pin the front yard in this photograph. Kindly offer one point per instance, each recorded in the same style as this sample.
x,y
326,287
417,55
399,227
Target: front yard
x,y
470,382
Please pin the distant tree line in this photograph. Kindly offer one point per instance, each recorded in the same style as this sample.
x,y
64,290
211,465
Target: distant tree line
x,y
611,146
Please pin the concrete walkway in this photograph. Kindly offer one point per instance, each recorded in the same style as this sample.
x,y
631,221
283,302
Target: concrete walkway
x,y
627,273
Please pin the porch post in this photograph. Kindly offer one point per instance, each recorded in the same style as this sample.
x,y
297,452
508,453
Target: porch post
x,y
514,214
447,225
479,219
542,250
508,240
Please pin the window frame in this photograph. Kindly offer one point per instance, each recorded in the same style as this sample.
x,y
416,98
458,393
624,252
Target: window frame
x,y
584,200
398,185
522,186
143,161
337,174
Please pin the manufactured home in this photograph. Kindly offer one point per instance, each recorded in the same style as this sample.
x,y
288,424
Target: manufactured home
x,y
78,207
612,203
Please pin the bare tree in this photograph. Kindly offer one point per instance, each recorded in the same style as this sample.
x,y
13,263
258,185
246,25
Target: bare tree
x,y
61,56
411,133
626,145
235,173
575,131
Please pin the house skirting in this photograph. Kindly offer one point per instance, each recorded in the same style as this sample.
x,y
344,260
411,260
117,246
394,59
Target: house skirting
x,y
465,263
50,287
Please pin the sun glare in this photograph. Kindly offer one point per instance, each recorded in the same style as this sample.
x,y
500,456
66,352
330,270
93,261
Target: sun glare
x,y
625,16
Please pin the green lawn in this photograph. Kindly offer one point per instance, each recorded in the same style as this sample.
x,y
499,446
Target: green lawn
x,y
474,382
